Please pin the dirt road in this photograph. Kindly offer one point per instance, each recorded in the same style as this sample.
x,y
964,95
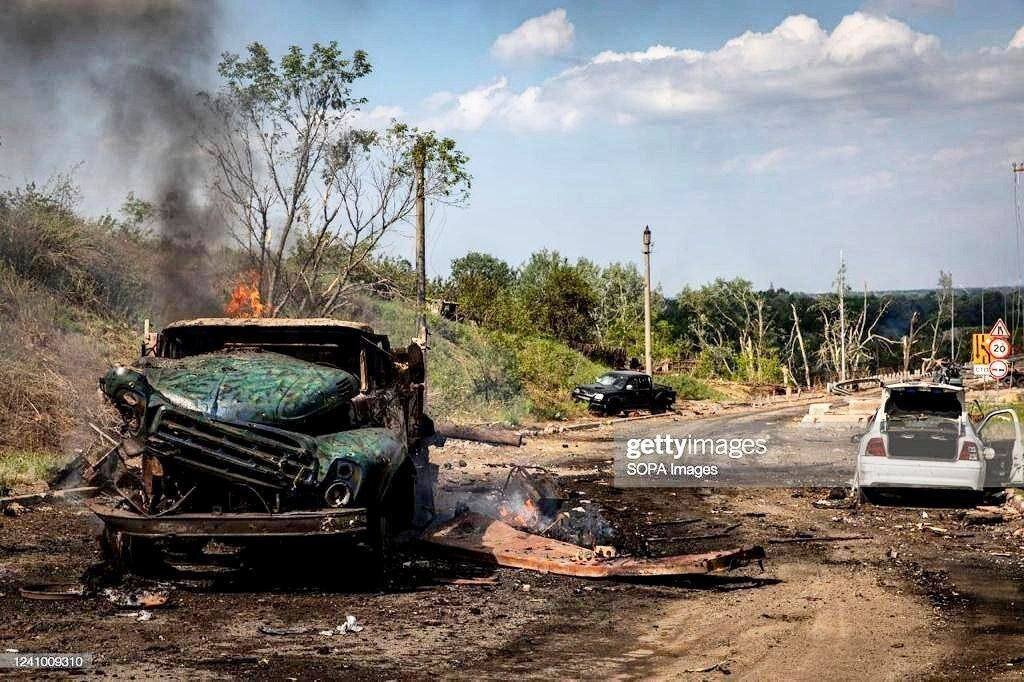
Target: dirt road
x,y
908,602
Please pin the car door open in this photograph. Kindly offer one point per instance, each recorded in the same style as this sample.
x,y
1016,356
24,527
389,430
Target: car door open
x,y
1001,432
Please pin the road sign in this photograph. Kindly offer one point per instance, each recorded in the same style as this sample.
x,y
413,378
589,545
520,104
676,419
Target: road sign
x,y
980,354
1000,329
999,348
981,371
998,369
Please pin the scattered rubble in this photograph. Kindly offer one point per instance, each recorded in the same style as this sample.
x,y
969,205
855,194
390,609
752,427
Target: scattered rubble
x,y
138,597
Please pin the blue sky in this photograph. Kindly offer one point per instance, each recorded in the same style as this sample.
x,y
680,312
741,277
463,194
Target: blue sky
x,y
757,139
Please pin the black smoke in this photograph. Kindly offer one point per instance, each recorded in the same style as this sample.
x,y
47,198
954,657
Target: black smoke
x,y
117,83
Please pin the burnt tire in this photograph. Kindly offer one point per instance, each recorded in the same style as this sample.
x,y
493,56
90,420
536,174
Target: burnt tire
x,y
392,519
131,554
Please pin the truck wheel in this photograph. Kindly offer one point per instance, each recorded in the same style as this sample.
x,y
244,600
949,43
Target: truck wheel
x,y
130,554
659,404
393,517
612,408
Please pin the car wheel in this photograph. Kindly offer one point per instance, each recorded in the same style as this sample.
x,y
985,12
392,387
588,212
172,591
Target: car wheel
x,y
870,496
612,408
391,519
660,404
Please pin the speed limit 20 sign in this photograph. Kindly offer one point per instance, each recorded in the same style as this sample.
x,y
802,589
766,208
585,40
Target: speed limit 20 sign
x,y
999,348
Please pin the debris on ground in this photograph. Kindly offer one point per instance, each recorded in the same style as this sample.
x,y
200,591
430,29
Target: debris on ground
x,y
135,597
821,538
984,516
53,591
532,501
350,625
488,580
142,615
284,632
480,538
14,509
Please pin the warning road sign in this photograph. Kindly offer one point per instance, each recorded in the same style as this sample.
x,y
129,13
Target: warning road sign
x,y
998,369
1000,329
980,353
999,348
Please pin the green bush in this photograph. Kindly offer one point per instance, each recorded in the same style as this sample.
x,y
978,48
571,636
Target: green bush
x,y
688,387
548,370
93,264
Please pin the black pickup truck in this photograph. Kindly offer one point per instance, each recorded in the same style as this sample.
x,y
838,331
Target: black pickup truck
x,y
617,391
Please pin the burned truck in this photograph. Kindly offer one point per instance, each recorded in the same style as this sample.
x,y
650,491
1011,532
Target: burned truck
x,y
248,429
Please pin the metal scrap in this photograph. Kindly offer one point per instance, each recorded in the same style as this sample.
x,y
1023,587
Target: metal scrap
x,y
53,591
483,539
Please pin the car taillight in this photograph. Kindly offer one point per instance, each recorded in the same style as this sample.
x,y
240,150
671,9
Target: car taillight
x,y
969,451
876,448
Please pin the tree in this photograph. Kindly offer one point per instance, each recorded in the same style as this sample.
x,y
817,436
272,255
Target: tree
x,y
557,298
734,329
311,196
477,283
847,337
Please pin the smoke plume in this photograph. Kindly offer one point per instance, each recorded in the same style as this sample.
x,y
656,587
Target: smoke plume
x,y
110,88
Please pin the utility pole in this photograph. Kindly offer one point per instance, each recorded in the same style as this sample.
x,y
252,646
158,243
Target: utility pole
x,y
419,160
648,363
952,320
842,317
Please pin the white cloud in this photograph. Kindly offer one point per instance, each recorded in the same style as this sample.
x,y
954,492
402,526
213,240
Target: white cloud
x,y
544,36
1018,38
376,118
870,183
875,65
788,157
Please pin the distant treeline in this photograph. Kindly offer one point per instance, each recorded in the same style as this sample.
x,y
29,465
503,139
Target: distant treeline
x,y
725,328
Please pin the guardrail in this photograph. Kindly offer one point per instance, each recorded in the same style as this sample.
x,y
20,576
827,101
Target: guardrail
x,y
851,386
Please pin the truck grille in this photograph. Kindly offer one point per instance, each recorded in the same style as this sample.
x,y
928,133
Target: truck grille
x,y
251,454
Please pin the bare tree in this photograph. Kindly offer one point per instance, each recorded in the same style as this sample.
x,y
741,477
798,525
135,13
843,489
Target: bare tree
x,y
853,347
945,294
311,196
803,351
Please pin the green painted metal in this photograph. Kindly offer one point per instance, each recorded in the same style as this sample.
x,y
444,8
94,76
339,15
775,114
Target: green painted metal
x,y
263,387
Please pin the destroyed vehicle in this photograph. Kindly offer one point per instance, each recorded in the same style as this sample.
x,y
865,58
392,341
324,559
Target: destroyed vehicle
x,y
921,437
614,392
237,429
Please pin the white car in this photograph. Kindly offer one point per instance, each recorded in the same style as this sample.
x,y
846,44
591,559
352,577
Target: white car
x,y
922,437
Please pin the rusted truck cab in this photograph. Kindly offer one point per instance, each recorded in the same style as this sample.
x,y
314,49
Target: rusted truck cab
x,y
247,428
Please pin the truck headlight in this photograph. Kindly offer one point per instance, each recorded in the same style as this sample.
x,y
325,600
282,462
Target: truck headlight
x,y
338,494
598,396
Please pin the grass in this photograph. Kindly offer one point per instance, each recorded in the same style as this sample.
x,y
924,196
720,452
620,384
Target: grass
x,y
25,467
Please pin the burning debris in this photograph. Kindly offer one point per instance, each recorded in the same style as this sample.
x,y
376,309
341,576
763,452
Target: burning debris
x,y
531,501
529,524
244,299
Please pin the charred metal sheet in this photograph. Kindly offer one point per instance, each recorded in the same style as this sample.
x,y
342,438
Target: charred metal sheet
x,y
483,539
235,525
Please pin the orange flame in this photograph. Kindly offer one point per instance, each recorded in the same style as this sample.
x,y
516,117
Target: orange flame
x,y
244,300
526,516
